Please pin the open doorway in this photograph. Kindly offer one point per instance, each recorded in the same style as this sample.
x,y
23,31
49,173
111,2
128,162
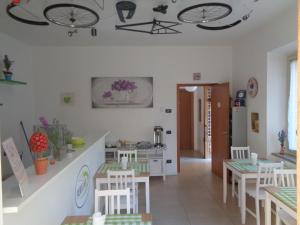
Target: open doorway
x,y
203,123
195,121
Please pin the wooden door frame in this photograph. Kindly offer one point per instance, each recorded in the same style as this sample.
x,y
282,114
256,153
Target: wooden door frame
x,y
205,110
177,116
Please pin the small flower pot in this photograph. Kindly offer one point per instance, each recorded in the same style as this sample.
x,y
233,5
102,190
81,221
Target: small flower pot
x,y
41,166
7,75
282,150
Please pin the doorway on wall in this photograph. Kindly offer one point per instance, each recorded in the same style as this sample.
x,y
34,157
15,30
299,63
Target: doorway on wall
x,y
203,123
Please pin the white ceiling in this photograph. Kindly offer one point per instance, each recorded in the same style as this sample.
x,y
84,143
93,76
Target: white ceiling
x,y
264,11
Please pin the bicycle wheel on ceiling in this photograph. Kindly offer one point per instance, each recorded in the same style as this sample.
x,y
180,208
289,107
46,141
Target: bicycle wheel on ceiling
x,y
220,27
71,15
204,13
22,14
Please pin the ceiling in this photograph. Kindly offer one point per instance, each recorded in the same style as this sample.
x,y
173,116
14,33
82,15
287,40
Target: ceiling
x,y
54,35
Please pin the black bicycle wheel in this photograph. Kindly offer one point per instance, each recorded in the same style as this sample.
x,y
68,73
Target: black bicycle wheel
x,y
219,27
204,13
71,15
10,11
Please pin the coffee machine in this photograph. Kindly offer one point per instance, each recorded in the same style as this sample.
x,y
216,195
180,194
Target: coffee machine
x,y
158,136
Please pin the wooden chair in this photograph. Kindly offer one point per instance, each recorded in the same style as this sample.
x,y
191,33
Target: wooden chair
x,y
238,153
130,154
284,178
122,180
112,200
265,178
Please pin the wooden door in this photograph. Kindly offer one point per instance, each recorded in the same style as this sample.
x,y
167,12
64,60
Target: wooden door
x,y
220,109
186,119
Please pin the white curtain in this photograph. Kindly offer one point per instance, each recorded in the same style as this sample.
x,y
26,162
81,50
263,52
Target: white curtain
x,y
292,110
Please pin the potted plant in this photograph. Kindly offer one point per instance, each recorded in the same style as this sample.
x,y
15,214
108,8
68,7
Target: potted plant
x,y
7,65
282,135
39,145
55,137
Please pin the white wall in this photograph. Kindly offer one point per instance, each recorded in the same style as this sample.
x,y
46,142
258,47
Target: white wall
x,y
277,98
18,101
69,69
250,55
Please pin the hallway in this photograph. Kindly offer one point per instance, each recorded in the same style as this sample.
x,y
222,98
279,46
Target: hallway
x,y
193,198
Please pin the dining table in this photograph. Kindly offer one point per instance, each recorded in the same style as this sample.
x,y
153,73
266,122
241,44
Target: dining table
x,y
245,170
142,174
284,198
115,219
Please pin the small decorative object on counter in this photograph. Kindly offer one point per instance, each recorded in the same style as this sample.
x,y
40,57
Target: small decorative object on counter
x,y
39,145
7,65
52,161
282,135
158,136
57,134
77,142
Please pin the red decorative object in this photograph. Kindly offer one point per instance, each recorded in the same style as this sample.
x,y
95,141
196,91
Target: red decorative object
x,y
16,2
39,142
52,161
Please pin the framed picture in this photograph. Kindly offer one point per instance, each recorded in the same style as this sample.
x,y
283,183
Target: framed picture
x,y
122,92
67,98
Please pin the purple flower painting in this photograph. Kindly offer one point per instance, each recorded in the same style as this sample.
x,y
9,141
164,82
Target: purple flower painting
x,y
123,85
107,94
122,92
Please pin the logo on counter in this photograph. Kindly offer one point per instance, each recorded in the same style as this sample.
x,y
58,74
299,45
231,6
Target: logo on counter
x,y
82,186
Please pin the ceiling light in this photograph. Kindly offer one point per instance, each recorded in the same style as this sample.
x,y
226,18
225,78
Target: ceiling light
x,y
189,88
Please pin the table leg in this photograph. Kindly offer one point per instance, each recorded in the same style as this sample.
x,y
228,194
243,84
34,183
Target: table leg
x,y
278,222
243,199
267,210
224,182
147,190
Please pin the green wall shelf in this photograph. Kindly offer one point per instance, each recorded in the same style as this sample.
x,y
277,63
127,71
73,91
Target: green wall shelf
x,y
12,82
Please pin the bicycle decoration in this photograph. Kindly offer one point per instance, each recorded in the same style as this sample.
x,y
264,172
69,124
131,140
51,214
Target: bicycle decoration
x,y
209,16
156,27
72,16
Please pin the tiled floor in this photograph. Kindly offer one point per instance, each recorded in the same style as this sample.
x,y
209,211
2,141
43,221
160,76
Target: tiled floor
x,y
191,154
193,198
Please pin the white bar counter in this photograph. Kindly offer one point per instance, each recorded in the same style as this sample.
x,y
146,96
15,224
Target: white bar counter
x,y
66,189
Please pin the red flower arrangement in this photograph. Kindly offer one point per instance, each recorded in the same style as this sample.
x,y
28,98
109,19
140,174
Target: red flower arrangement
x,y
39,144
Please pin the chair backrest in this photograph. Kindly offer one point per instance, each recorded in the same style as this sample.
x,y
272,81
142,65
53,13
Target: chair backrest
x,y
120,179
265,176
112,200
285,177
240,152
130,154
